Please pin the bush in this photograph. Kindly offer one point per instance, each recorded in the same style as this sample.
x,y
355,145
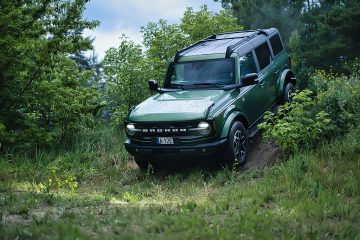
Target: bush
x,y
297,125
339,96
330,110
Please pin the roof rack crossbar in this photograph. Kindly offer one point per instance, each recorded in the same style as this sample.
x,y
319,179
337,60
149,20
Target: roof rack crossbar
x,y
230,49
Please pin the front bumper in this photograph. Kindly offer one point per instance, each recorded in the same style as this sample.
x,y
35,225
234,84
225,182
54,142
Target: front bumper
x,y
204,149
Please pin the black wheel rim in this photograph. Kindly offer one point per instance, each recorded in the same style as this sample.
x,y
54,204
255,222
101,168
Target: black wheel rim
x,y
239,146
290,94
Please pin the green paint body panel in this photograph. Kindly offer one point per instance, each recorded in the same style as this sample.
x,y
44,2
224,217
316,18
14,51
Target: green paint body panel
x,y
220,107
177,106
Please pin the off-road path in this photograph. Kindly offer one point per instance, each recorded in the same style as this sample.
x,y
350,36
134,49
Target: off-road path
x,y
262,154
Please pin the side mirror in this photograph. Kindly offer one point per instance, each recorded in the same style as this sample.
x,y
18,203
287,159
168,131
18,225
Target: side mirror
x,y
153,85
250,79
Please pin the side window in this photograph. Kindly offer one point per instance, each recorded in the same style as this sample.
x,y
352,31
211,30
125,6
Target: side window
x,y
276,44
263,55
247,64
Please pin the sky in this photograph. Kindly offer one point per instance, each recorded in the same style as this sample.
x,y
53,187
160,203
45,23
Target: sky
x,y
119,17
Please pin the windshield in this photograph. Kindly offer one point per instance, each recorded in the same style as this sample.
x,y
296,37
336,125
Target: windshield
x,y
208,72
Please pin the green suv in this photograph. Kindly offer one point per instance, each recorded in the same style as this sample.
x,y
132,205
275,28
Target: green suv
x,y
214,94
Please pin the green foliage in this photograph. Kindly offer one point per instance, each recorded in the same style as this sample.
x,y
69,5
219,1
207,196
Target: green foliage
x,y
129,197
42,97
258,14
198,25
339,96
126,74
296,125
331,110
162,40
2,131
329,36
56,180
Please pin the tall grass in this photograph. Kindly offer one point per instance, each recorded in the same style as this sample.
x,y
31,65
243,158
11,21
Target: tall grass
x,y
313,194
90,153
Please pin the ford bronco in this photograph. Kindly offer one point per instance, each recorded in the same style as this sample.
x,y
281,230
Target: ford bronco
x,y
214,94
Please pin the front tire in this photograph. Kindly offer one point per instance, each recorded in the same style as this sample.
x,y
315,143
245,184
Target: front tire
x,y
238,145
142,162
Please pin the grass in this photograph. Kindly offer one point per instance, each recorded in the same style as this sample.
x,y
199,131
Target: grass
x,y
92,189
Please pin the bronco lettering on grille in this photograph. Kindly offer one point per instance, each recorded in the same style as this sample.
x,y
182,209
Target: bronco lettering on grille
x,y
166,130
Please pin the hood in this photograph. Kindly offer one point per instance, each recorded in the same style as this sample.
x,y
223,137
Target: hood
x,y
176,106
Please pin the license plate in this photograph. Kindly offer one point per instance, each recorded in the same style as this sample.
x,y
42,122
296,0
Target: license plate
x,y
165,140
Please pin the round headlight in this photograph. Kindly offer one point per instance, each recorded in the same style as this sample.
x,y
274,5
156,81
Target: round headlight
x,y
130,129
204,128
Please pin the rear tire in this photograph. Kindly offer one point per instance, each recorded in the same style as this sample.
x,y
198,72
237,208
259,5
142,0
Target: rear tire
x,y
238,145
289,90
142,162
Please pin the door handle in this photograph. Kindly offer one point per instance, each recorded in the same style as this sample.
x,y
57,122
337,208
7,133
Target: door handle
x,y
262,84
276,72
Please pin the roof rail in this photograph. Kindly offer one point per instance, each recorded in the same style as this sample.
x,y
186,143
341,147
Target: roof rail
x,y
262,31
230,49
240,31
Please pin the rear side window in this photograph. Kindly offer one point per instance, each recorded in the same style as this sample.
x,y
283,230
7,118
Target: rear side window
x,y
247,64
263,55
276,44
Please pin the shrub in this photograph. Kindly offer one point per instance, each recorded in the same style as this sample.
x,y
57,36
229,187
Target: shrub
x,y
297,124
339,96
331,109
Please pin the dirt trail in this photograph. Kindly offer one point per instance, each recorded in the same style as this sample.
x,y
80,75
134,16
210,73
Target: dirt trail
x,y
262,154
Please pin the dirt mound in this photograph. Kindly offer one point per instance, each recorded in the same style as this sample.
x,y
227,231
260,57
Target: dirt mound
x,y
262,154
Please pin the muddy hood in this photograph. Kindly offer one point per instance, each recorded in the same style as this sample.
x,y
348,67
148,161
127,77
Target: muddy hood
x,y
176,106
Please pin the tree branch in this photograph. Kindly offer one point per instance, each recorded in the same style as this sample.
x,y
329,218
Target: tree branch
x,y
26,86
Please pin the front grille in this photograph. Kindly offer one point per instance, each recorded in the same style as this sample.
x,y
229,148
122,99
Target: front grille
x,y
188,137
162,129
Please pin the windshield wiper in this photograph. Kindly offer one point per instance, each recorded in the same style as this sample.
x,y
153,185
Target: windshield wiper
x,y
178,85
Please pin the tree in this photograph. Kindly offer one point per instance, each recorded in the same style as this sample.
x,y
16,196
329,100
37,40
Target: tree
x,y
203,23
89,63
258,14
126,77
161,41
330,35
58,107
36,38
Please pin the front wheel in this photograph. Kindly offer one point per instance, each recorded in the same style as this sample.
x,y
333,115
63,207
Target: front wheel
x,y
142,162
238,145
